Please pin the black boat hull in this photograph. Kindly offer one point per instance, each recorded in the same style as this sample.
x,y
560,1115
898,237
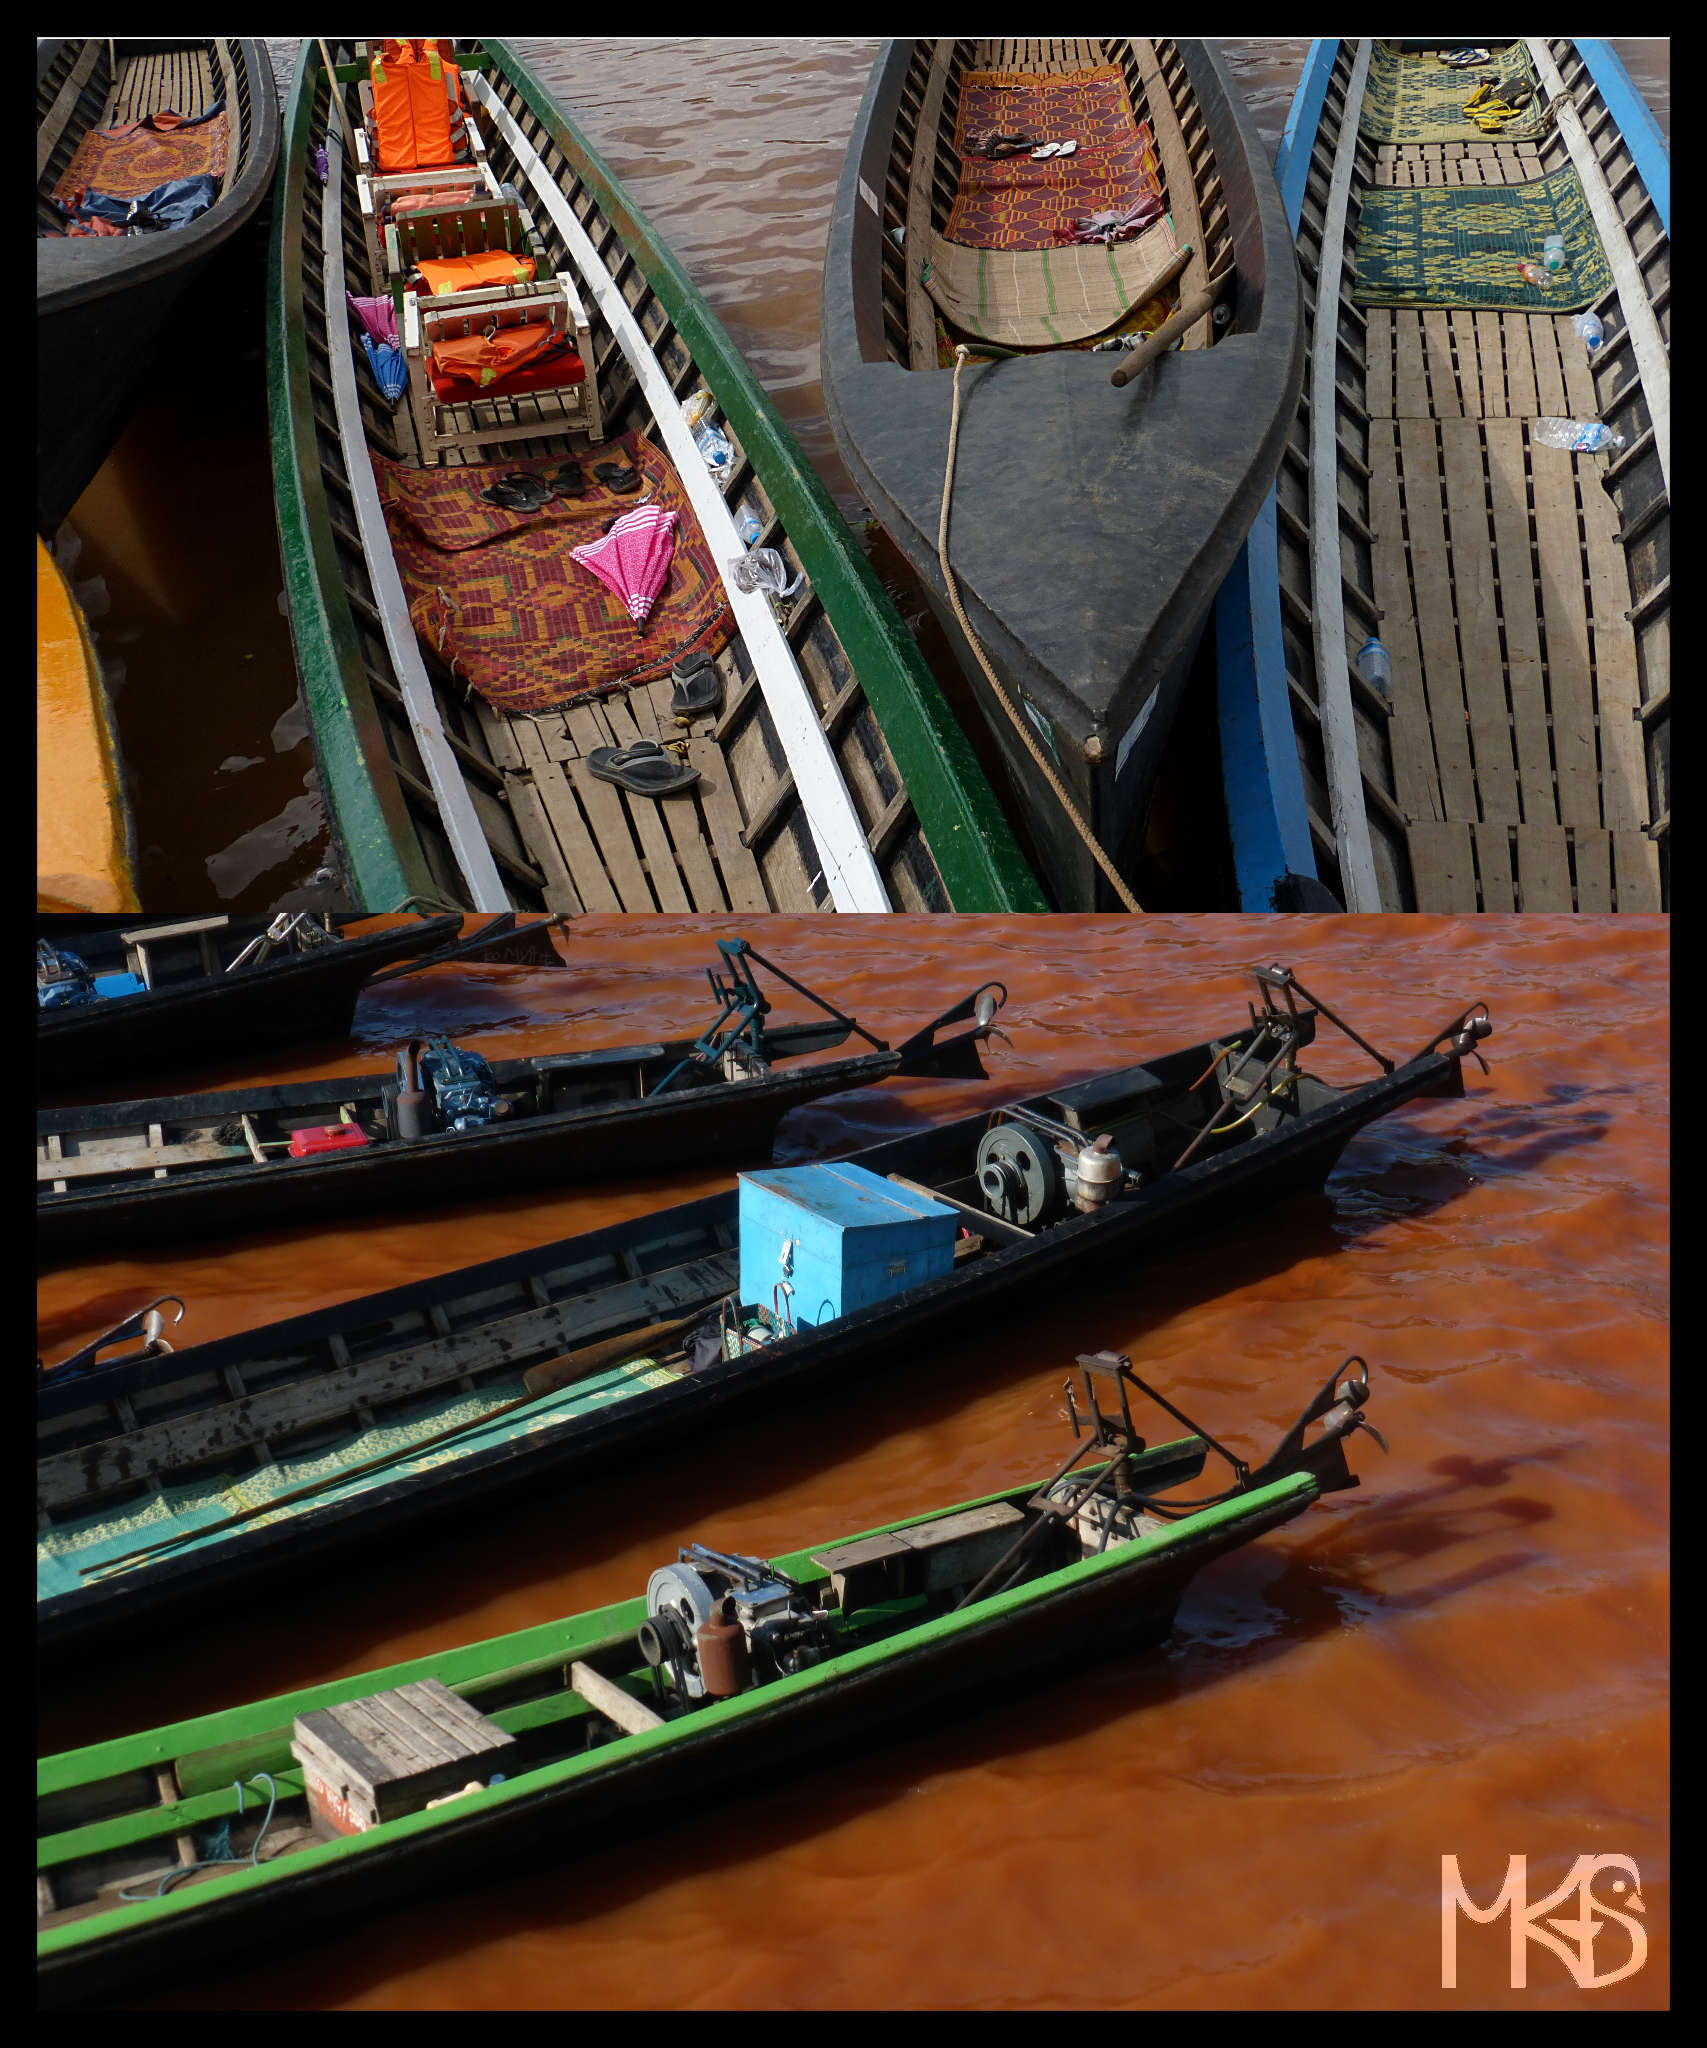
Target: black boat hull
x,y
1210,1193
1090,527
726,1124
102,303
304,995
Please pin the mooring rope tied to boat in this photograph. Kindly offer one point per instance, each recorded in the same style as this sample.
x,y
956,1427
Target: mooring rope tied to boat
x,y
1062,795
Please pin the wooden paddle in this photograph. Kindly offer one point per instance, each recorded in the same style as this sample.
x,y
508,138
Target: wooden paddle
x,y
1190,312
337,99
552,1373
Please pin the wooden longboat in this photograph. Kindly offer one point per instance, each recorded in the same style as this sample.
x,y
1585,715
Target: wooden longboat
x,y
834,773
143,1459
194,1001
103,301
1090,526
1522,758
568,1731
207,1164
86,852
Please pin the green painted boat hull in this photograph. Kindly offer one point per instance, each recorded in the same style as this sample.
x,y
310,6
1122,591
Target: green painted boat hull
x,y
1124,1597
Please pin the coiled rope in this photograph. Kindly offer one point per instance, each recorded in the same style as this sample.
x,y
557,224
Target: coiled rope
x,y
1019,723
221,1843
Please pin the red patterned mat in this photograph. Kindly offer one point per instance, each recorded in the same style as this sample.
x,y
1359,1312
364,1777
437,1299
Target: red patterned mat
x,y
1015,203
131,160
495,594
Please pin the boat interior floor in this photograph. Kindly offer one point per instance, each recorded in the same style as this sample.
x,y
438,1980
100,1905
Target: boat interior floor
x,y
1501,589
184,81
738,839
1158,92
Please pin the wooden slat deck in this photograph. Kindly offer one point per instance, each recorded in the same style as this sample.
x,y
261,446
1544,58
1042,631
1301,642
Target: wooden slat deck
x,y
1504,561
739,840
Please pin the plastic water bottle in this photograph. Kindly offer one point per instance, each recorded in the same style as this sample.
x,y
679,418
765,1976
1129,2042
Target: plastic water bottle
x,y
1375,666
748,527
1532,274
1589,327
1582,437
713,447
1553,252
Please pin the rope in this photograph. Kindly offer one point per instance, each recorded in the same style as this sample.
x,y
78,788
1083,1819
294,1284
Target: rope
x,y
1019,724
221,1842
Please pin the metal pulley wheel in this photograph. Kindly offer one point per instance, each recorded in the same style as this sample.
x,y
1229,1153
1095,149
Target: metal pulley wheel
x,y
1019,1176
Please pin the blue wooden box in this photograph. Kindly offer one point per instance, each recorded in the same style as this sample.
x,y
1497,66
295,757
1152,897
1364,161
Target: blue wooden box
x,y
852,1238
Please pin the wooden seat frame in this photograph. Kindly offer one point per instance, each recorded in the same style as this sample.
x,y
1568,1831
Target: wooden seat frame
x,y
466,424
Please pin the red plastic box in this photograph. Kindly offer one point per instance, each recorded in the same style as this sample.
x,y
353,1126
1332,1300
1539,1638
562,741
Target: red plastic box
x,y
331,1138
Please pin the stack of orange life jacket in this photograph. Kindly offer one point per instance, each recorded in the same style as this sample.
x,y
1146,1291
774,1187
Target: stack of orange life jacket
x,y
417,93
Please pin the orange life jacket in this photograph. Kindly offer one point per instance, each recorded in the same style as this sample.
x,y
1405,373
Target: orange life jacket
x,y
479,360
414,90
473,273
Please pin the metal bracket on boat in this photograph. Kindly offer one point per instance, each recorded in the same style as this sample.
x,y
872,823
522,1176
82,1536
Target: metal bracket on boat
x,y
1120,1433
1274,977
147,1323
1338,1407
737,1040
300,929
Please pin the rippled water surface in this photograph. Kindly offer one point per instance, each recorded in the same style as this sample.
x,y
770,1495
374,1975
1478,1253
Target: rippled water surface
x,y
734,146
1467,1656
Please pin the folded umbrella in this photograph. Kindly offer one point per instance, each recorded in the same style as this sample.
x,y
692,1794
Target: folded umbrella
x,y
378,316
390,371
633,559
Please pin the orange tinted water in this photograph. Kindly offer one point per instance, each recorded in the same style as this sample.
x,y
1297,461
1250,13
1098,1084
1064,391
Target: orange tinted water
x,y
1466,1657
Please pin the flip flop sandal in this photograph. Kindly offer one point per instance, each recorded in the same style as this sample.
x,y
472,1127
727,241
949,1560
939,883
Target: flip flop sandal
x,y
698,691
520,491
618,477
567,482
643,769
1053,150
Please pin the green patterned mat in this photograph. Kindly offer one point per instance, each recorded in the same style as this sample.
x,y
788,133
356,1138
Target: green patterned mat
x,y
63,1552
1418,99
1460,245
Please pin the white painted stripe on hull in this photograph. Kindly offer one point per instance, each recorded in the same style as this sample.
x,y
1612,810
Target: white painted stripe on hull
x,y
849,869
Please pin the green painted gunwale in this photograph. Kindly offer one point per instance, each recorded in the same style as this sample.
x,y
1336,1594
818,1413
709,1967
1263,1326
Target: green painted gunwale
x,y
974,848
264,1725
373,834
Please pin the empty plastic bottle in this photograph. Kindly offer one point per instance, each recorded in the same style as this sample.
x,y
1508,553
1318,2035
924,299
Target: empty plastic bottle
x,y
748,527
1589,327
1532,273
1375,666
1553,252
1582,437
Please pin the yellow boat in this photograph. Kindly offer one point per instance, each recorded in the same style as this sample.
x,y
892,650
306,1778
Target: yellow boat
x,y
85,832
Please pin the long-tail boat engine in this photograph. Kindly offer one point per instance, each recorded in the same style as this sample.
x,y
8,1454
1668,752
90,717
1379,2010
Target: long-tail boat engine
x,y
62,980
444,1088
716,1623
1031,1170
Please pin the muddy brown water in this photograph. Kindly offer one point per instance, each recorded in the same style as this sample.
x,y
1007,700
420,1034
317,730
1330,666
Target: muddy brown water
x,y
733,145
1466,1657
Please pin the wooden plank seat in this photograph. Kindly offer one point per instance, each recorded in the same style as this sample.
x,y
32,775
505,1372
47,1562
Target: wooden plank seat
x,y
376,191
554,397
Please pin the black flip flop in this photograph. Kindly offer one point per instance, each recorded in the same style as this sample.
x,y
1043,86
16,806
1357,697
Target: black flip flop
x,y
698,691
618,477
643,769
567,482
520,491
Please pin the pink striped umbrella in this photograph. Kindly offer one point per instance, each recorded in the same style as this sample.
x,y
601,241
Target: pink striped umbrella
x,y
634,558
